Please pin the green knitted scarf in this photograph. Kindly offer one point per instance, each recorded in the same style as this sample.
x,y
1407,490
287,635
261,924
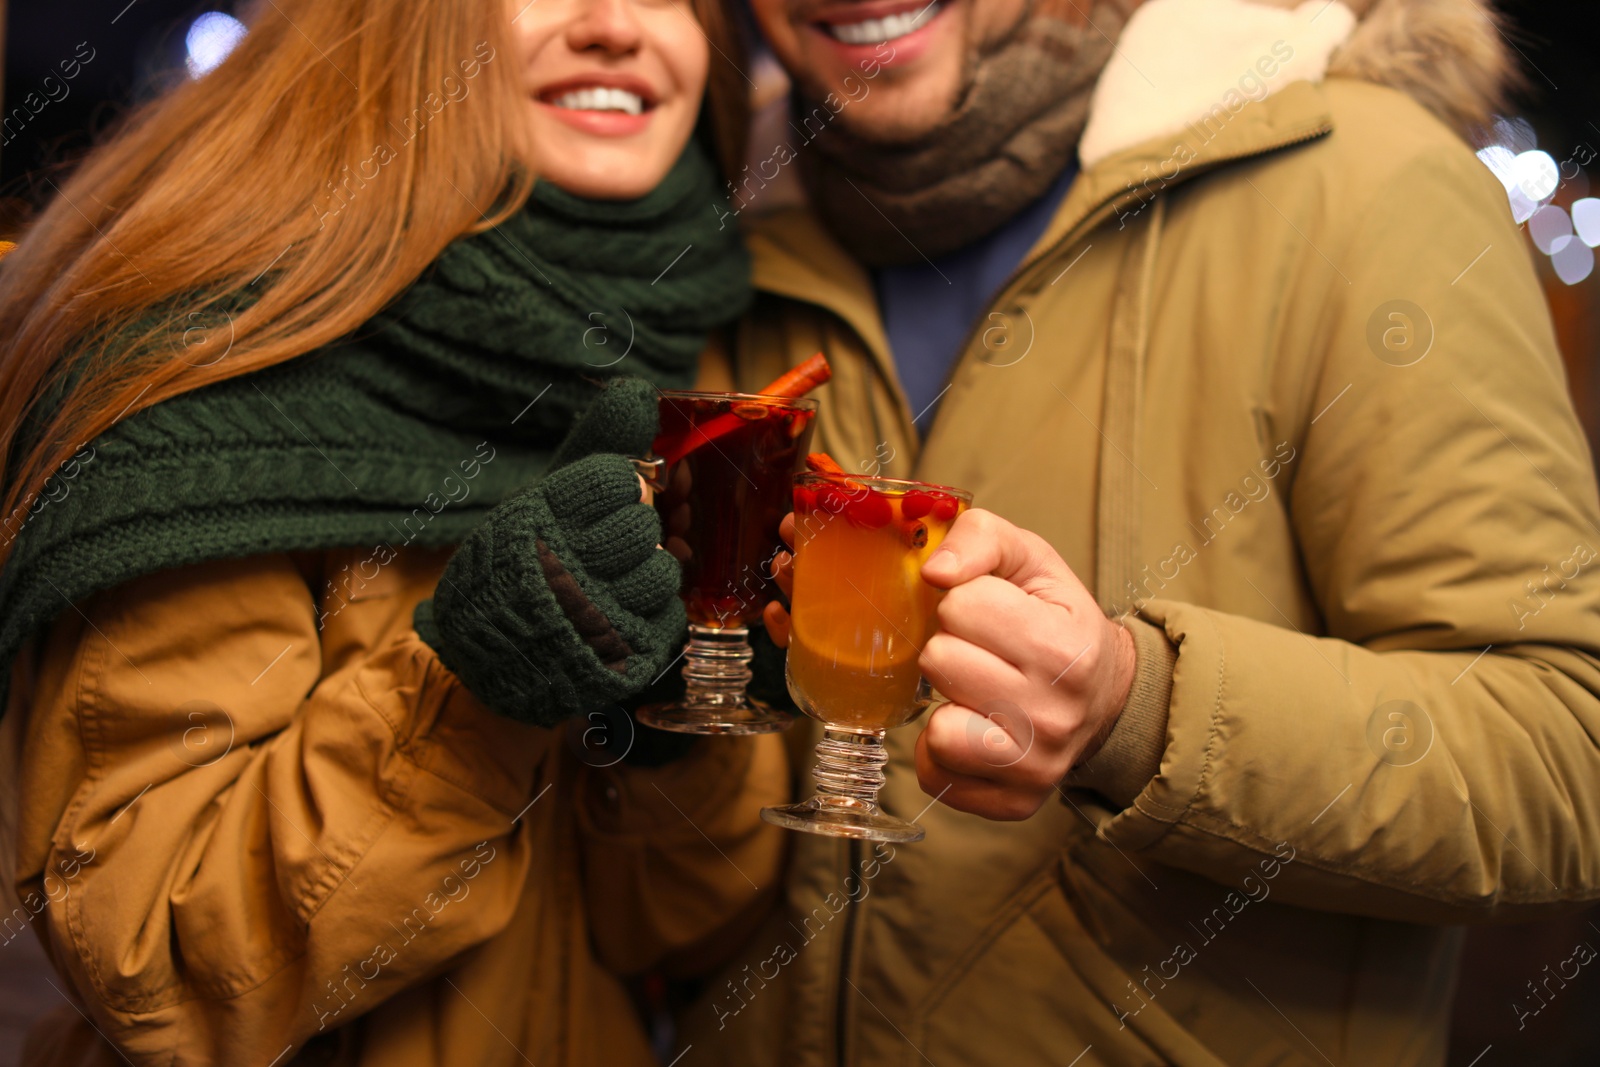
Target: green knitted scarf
x,y
408,431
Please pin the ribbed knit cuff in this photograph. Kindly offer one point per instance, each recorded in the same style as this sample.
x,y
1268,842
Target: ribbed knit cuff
x,y
1131,755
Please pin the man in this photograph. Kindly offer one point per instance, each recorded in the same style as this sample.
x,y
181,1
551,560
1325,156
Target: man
x,y
1210,298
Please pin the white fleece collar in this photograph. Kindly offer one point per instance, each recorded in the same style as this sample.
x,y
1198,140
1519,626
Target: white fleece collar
x,y
1179,61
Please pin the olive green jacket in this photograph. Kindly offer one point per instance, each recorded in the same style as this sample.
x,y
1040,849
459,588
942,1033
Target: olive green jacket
x,y
1295,407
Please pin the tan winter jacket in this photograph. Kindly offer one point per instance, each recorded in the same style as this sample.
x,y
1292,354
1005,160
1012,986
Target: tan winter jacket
x,y
248,841
1279,381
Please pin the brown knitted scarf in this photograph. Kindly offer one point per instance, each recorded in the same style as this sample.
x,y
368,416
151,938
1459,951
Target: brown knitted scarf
x,y
1013,130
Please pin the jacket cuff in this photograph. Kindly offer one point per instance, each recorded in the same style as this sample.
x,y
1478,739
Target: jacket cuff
x,y
1131,755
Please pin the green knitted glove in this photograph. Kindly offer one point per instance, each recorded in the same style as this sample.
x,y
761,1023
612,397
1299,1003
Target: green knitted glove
x,y
560,602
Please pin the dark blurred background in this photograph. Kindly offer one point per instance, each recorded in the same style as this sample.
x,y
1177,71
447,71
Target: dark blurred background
x,y
136,46
117,52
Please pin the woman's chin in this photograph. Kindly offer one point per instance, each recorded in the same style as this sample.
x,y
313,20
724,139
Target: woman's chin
x,y
604,184
601,167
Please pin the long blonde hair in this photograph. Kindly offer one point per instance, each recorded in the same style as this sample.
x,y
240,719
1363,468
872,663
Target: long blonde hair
x,y
317,171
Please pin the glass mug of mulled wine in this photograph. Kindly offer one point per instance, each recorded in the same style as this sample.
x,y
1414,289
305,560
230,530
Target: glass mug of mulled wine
x,y
722,488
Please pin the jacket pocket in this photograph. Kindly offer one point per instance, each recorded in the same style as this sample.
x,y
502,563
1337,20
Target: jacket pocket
x,y
1030,992
1140,1029
1205,972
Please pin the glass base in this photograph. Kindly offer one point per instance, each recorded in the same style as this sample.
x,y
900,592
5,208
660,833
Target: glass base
x,y
751,716
716,669
843,817
849,773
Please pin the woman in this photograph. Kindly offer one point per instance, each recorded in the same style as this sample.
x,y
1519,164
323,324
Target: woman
x,y
279,778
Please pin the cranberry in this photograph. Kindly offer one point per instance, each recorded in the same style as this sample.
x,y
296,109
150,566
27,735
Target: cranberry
x,y
945,507
805,499
832,498
914,505
871,511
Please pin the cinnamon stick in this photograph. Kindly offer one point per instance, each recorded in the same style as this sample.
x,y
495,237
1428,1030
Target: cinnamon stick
x,y
792,384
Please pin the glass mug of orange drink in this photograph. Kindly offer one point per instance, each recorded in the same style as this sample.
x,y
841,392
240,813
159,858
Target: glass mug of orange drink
x,y
860,616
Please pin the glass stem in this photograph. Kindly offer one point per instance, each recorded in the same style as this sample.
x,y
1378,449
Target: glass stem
x,y
850,766
717,666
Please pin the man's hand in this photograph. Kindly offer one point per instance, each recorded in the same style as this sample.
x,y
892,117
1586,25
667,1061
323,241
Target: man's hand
x,y
773,616
1035,672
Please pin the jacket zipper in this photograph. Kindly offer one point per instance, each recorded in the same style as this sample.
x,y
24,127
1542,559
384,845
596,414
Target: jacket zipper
x,y
1095,217
846,958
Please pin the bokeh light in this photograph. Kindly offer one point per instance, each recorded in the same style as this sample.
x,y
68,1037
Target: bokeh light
x,y
210,38
1572,259
1548,225
1532,179
1586,220
1537,174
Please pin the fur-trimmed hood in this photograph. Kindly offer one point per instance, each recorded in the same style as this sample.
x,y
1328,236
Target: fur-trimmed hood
x,y
1452,56
1177,59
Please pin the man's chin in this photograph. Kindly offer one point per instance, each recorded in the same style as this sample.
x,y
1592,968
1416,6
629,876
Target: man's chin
x,y
894,106
899,90
905,120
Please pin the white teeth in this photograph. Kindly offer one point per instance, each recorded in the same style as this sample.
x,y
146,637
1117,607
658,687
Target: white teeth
x,y
601,98
875,31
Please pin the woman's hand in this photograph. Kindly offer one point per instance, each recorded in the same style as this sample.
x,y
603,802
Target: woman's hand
x,y
563,600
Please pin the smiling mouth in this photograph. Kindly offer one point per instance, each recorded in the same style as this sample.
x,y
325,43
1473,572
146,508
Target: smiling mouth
x,y
888,28
600,98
